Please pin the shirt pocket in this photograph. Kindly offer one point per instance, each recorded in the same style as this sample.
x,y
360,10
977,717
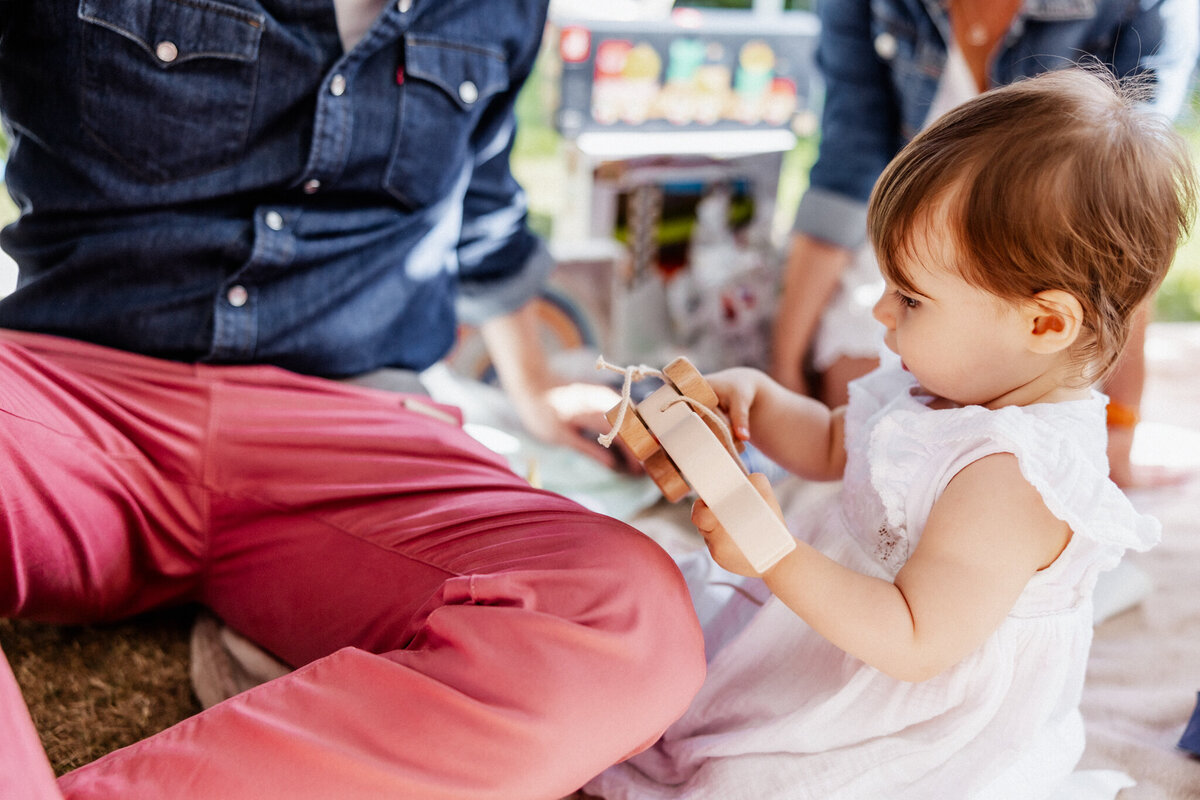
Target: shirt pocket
x,y
445,91
167,88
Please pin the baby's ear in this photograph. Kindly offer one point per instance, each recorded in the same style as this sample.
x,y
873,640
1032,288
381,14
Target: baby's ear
x,y
1054,319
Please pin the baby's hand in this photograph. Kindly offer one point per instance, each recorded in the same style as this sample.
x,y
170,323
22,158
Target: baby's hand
x,y
736,389
720,544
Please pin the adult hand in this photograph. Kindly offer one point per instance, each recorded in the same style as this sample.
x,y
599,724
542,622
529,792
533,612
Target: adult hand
x,y
553,410
572,414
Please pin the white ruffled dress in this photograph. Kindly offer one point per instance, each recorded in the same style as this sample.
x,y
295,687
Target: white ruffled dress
x,y
785,714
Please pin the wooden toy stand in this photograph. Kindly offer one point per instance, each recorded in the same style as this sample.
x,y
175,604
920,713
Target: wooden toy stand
x,y
680,447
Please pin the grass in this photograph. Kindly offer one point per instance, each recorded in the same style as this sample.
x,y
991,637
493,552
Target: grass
x,y
92,689
1179,298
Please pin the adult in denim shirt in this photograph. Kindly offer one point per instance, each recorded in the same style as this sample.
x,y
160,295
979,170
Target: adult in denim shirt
x,y
213,190
884,62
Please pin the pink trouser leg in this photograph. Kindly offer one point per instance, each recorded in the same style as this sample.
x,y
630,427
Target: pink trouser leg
x,y
463,636
24,771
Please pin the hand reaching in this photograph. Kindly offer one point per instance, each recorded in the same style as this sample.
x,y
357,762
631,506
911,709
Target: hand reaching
x,y
572,415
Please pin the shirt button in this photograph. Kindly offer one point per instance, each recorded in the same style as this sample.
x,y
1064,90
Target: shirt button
x,y
311,186
274,220
885,46
166,51
237,295
404,6
468,91
337,86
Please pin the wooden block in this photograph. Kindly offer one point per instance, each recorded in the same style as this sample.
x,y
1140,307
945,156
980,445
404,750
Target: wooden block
x,y
633,432
717,478
666,476
687,380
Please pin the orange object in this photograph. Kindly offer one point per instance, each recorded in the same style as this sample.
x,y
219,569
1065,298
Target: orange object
x,y
1122,416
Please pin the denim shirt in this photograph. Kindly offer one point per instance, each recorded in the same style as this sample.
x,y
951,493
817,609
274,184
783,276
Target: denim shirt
x,y
218,180
882,61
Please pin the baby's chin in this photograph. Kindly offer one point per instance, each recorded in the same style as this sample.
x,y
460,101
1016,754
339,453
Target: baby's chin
x,y
937,400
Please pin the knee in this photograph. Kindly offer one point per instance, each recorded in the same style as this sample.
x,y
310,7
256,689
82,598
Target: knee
x,y
647,604
650,582
635,651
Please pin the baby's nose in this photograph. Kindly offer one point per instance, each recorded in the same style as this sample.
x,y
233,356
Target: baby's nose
x,y
882,313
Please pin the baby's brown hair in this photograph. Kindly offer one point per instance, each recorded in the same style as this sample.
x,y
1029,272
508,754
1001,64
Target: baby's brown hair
x,y
1062,181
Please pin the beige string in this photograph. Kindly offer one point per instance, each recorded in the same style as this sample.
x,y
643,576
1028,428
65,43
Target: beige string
x,y
716,420
640,371
631,373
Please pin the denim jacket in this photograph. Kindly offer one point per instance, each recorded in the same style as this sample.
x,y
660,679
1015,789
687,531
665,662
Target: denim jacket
x,y
882,61
217,180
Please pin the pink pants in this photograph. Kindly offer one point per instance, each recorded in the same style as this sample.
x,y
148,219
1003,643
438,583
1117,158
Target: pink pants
x,y
458,634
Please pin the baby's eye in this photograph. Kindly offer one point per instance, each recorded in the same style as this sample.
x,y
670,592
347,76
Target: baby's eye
x,y
910,302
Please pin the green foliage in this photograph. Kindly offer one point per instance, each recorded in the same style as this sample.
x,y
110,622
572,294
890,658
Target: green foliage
x,y
1179,298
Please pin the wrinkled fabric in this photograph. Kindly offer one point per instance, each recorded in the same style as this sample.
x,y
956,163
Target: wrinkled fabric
x,y
457,634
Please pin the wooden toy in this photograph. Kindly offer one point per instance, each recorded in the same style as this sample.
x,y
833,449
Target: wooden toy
x,y
677,434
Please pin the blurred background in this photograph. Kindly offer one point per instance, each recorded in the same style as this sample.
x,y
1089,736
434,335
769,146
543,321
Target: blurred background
x,y
550,148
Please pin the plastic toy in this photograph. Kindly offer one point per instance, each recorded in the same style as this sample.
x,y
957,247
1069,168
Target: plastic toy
x,y
678,435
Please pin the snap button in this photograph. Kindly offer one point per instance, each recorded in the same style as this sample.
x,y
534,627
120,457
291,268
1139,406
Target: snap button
x,y
237,296
274,220
311,186
166,51
468,91
337,86
885,46
404,6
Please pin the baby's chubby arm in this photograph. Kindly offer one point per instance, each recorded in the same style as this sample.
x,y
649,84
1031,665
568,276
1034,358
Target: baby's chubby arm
x,y
986,536
799,433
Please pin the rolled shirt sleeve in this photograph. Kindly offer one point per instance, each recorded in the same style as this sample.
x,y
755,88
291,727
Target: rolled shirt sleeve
x,y
488,294
502,264
860,126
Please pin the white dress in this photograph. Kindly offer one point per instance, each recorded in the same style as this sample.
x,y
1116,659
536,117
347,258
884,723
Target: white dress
x,y
785,714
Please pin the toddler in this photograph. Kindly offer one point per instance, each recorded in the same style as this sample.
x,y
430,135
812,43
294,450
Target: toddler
x,y
929,635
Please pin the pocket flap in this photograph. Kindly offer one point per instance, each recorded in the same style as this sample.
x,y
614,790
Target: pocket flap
x,y
466,73
195,29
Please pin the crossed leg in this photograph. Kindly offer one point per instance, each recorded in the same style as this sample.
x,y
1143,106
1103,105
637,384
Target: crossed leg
x,y
458,634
